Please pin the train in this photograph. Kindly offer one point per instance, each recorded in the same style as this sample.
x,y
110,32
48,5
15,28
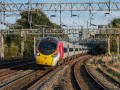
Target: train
x,y
51,51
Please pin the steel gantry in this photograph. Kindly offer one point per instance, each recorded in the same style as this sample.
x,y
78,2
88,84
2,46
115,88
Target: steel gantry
x,y
81,6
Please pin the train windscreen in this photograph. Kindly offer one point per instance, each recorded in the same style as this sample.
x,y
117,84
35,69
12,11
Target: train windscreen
x,y
47,47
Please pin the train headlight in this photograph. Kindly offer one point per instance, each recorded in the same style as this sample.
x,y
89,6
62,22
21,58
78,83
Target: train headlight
x,y
55,55
38,54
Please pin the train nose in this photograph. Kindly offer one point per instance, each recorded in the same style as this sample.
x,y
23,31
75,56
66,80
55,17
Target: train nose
x,y
45,60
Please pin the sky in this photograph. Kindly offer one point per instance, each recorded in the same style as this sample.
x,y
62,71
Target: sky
x,y
99,18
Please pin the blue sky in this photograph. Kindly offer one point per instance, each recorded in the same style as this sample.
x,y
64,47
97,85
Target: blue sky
x,y
99,18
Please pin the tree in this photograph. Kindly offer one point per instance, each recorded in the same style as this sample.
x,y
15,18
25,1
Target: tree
x,y
38,18
115,23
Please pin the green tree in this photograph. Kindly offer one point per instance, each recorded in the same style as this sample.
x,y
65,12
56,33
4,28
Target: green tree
x,y
115,23
38,18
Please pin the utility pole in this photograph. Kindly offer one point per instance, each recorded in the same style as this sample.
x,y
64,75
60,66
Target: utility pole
x,y
117,41
60,15
87,24
29,13
1,14
22,43
90,11
43,32
109,5
1,45
109,46
34,45
82,31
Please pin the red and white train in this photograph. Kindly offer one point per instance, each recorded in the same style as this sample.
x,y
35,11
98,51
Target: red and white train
x,y
51,51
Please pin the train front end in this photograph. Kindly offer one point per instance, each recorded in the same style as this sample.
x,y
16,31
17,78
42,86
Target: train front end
x,y
46,52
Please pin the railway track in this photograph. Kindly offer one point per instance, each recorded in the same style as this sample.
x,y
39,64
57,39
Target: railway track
x,y
9,63
14,71
9,72
13,67
84,79
24,79
32,79
52,77
36,78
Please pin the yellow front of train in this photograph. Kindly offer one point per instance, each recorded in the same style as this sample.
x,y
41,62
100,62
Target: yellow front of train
x,y
46,52
42,59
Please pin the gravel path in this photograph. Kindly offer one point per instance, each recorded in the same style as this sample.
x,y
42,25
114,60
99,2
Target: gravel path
x,y
52,82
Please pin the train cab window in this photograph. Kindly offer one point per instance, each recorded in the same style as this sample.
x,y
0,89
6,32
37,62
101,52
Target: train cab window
x,y
65,49
76,49
80,49
47,47
70,49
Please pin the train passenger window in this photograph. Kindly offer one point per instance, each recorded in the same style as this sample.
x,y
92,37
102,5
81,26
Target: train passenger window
x,y
80,49
76,49
65,49
70,49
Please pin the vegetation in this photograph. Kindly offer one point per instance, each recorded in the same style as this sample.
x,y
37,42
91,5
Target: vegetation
x,y
115,23
12,46
13,42
100,48
37,19
110,65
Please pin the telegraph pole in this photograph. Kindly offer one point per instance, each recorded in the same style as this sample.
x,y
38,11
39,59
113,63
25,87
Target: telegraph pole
x,y
22,43
109,5
118,45
109,46
29,13
34,45
1,45
60,15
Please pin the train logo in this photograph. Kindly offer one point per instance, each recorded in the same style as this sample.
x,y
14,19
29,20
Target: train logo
x,y
45,58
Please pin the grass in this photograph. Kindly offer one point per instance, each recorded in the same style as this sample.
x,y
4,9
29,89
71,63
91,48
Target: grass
x,y
110,74
110,65
81,64
92,65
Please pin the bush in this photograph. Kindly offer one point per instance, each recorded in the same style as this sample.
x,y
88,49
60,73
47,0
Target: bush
x,y
12,51
100,48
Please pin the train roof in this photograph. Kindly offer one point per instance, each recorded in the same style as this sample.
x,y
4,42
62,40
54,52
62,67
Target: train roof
x,y
50,38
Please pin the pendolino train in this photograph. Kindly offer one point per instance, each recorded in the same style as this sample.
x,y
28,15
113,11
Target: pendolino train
x,y
51,51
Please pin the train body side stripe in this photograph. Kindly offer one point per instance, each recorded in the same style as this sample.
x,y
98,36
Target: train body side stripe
x,y
60,50
56,59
